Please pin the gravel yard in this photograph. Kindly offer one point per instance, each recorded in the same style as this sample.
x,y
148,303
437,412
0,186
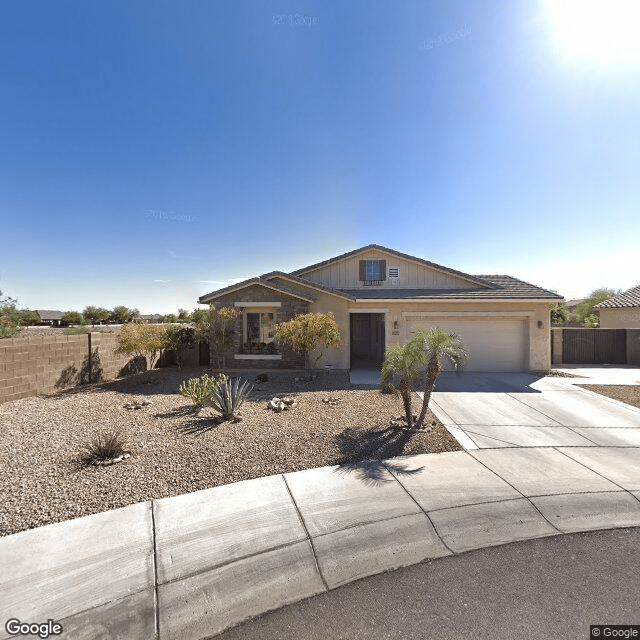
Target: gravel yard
x,y
624,392
175,451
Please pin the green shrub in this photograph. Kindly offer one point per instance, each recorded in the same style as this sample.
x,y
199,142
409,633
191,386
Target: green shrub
x,y
74,331
200,390
181,339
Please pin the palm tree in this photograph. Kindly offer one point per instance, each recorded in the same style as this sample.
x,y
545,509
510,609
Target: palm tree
x,y
438,346
426,348
406,362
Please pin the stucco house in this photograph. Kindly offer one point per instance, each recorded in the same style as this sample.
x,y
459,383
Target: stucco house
x,y
379,297
621,311
52,318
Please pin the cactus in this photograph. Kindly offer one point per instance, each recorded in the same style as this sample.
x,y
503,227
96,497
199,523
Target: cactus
x,y
200,390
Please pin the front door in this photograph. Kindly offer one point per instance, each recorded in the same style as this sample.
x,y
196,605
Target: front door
x,y
367,340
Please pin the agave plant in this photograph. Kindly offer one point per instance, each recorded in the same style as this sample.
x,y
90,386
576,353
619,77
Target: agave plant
x,y
200,390
228,398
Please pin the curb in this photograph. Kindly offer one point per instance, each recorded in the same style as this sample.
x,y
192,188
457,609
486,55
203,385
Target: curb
x,y
194,565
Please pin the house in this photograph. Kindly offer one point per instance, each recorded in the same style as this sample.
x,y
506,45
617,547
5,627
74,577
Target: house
x,y
52,318
621,311
379,297
151,318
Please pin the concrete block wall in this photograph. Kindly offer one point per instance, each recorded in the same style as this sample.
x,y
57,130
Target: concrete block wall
x,y
46,364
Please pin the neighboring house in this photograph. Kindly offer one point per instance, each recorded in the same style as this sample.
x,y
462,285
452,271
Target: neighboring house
x,y
379,298
52,318
621,311
152,318
572,305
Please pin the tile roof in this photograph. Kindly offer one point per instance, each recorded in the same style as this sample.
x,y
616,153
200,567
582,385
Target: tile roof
x,y
506,287
630,298
45,314
256,281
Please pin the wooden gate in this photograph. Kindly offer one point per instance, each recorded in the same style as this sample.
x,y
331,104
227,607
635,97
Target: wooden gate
x,y
594,346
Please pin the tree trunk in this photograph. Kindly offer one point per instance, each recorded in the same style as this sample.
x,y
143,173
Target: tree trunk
x,y
405,390
433,369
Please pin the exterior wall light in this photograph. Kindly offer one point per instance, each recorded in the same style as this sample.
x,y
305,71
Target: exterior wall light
x,y
539,324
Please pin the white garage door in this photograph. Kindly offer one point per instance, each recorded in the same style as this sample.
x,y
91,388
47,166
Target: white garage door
x,y
498,344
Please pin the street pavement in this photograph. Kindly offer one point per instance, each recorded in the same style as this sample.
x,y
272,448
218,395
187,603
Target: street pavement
x,y
545,589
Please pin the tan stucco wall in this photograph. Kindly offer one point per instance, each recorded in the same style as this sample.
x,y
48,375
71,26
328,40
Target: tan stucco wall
x,y
619,318
539,343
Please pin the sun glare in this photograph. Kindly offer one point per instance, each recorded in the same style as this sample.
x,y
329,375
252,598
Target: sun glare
x,y
606,31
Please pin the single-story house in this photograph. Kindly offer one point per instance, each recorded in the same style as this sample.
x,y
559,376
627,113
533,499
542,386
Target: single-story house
x,y
149,318
621,311
379,297
51,318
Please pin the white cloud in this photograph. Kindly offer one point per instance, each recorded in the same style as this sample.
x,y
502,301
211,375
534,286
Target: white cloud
x,y
225,283
162,280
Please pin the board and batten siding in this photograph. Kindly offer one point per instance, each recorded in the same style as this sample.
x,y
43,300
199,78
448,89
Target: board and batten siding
x,y
345,274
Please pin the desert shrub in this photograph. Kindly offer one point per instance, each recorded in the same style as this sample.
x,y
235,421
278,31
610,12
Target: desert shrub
x,y
145,340
72,317
74,331
229,397
181,339
200,390
307,332
104,446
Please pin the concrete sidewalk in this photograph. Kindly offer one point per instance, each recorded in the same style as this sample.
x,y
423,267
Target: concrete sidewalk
x,y
194,565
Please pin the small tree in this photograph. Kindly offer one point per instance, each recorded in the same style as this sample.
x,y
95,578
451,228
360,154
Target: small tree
x,y
72,317
180,339
183,315
559,313
428,348
200,318
170,318
96,315
122,314
438,346
28,318
9,319
584,313
221,320
143,340
307,332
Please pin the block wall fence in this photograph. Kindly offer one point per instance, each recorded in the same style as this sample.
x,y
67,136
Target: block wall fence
x,y
47,364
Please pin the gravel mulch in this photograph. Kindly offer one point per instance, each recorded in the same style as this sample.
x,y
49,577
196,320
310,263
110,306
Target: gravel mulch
x,y
175,451
624,392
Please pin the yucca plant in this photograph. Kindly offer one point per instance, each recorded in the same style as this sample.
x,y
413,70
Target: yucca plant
x,y
229,397
200,390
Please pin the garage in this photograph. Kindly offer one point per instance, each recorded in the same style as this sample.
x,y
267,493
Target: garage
x,y
495,344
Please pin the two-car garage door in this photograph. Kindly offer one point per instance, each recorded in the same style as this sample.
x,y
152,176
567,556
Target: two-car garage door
x,y
494,344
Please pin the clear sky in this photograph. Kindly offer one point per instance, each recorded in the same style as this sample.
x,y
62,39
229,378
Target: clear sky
x,y
152,152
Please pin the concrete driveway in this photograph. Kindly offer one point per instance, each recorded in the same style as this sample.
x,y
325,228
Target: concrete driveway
x,y
489,410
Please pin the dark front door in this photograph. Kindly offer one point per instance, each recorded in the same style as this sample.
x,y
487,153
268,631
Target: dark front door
x,y
367,340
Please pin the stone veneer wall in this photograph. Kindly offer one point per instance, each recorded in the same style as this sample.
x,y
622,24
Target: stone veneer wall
x,y
290,307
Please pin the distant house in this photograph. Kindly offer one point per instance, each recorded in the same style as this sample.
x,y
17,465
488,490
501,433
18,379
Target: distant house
x,y
621,311
150,318
51,318
572,305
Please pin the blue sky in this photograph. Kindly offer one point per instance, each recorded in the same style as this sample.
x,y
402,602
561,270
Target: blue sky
x,y
152,152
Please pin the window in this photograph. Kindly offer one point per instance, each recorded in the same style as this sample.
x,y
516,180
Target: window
x,y
373,270
394,272
258,333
